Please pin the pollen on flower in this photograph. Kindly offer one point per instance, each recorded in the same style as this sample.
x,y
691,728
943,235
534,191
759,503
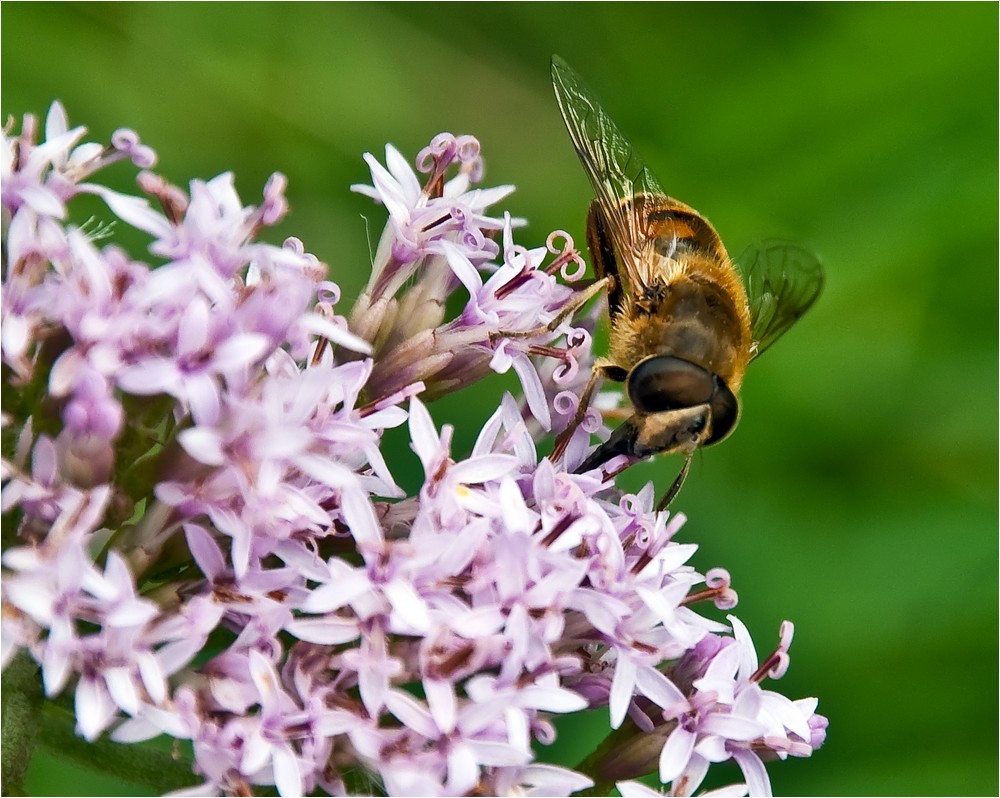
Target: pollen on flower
x,y
280,601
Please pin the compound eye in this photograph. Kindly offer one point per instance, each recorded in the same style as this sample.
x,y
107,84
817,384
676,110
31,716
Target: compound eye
x,y
665,382
725,410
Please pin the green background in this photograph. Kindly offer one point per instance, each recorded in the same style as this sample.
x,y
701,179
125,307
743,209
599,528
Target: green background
x,y
858,497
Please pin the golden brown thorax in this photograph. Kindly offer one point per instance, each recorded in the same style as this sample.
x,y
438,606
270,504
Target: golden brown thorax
x,y
692,304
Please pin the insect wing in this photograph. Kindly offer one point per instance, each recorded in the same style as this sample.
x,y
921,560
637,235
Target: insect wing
x,y
616,171
782,280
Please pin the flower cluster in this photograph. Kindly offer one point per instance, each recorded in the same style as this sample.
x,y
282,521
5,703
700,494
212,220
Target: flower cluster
x,y
207,542
439,238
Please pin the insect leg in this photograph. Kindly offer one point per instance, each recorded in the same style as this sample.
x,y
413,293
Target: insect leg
x,y
568,310
668,497
602,253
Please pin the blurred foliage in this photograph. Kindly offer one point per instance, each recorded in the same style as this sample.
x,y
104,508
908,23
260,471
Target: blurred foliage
x,y
859,495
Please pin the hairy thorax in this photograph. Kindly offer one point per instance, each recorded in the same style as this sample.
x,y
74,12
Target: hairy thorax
x,y
691,310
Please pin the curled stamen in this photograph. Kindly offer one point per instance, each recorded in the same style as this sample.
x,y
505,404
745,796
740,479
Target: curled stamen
x,y
717,577
473,238
630,503
566,372
577,338
641,538
275,205
651,543
719,591
127,142
435,159
328,293
592,421
777,663
467,148
566,255
565,403
550,241
443,148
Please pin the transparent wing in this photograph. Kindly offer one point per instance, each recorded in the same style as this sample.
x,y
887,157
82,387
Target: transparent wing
x,y
616,171
782,280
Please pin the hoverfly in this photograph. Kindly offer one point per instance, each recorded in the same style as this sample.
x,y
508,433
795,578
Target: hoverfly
x,y
684,323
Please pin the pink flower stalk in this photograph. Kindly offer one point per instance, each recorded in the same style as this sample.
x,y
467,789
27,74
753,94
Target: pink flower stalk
x,y
208,543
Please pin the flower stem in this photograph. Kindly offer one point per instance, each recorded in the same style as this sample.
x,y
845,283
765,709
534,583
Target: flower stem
x,y
22,698
594,764
626,753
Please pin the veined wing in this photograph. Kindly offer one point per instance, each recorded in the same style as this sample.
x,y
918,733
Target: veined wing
x,y
616,171
782,279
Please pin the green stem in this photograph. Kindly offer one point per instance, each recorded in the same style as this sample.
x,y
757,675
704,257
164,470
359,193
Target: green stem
x,y
626,753
22,698
593,765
